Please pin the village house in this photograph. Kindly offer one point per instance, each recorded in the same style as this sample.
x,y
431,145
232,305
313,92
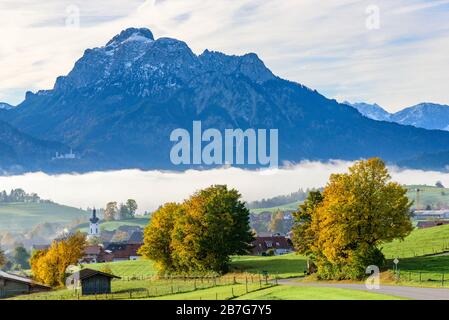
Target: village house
x,y
123,251
13,285
277,244
95,254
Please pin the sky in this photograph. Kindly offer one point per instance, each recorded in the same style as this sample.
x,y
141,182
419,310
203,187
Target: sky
x,y
390,52
152,188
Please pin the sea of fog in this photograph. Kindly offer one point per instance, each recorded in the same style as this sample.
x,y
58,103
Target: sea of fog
x,y
153,188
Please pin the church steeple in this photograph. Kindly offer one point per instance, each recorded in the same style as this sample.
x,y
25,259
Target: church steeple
x,y
94,218
94,230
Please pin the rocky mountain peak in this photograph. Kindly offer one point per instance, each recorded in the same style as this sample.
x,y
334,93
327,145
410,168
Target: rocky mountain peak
x,y
131,34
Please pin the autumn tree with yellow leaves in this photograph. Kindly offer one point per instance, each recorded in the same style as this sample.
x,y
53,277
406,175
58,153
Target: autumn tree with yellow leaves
x,y
157,237
49,266
343,228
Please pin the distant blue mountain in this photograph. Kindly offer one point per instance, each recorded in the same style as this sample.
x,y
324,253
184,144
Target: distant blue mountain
x,y
424,115
372,111
120,102
430,116
5,106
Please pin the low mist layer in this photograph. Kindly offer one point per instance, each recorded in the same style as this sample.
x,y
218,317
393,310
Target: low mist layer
x,y
152,188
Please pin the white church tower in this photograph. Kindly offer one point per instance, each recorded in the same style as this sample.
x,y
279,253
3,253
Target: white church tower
x,y
94,228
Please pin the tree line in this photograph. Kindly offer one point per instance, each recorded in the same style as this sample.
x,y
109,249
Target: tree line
x,y
19,259
120,212
19,195
299,195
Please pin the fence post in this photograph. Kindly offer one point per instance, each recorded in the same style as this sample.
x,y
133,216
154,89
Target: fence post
x,y
442,280
420,277
232,290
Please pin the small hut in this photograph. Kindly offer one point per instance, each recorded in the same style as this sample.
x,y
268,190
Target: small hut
x,y
13,285
94,281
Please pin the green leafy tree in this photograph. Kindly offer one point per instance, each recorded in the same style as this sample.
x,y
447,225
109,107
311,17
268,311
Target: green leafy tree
x,y
277,224
111,211
439,184
123,212
21,257
214,225
199,234
131,204
303,236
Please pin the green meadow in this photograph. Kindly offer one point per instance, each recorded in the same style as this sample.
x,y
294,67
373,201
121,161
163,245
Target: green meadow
x,y
419,243
16,217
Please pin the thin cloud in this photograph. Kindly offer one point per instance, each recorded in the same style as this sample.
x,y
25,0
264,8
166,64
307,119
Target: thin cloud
x,y
322,44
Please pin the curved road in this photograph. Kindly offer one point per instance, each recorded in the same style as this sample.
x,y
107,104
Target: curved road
x,y
398,291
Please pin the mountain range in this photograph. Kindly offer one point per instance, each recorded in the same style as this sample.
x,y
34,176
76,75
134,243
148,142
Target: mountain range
x,y
430,116
118,105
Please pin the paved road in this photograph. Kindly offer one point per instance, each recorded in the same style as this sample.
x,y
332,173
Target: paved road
x,y
399,291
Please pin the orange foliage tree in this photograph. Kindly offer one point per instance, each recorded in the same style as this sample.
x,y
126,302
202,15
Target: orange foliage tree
x,y
49,266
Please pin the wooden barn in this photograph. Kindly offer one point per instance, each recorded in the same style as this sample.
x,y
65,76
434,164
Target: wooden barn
x,y
14,285
94,281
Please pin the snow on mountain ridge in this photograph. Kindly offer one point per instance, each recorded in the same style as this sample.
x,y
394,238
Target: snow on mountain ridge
x,y
426,115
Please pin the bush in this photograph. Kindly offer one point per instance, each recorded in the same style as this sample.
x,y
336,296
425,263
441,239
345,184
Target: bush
x,y
355,269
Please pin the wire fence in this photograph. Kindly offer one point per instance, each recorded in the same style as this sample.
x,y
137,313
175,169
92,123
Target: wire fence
x,y
417,251
422,278
144,287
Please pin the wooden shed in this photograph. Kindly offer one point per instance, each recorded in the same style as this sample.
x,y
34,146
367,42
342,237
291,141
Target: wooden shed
x,y
14,285
95,282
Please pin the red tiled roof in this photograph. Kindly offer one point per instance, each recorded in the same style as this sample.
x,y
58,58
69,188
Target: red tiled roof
x,y
93,250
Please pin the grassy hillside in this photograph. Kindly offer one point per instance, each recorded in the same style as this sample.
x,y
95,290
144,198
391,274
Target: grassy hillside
x,y
285,207
420,242
113,225
428,271
16,217
433,196
128,269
